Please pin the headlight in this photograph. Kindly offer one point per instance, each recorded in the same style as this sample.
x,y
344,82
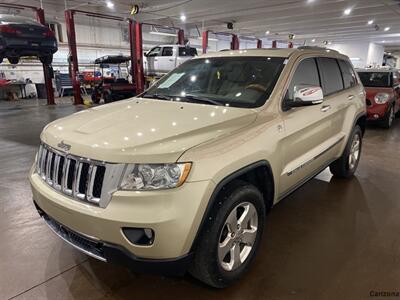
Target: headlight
x,y
141,177
381,98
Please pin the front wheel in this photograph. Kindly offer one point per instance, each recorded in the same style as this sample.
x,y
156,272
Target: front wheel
x,y
389,118
46,59
230,239
347,164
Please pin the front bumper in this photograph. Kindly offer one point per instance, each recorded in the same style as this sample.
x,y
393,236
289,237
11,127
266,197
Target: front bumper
x,y
174,216
377,112
115,254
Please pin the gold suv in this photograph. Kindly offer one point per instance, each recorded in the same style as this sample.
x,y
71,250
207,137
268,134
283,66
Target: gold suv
x,y
182,177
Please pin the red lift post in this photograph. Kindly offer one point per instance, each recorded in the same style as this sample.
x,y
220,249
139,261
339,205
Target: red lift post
x,y
274,44
46,70
135,41
259,44
235,43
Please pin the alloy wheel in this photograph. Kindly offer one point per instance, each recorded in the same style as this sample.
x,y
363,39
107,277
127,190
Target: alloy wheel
x,y
237,236
354,155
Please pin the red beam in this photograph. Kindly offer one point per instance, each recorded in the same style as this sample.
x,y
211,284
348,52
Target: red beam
x,y
235,42
205,41
136,40
181,37
259,44
274,44
69,20
98,15
48,82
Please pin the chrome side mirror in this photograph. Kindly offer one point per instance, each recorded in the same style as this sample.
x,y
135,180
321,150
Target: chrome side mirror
x,y
308,95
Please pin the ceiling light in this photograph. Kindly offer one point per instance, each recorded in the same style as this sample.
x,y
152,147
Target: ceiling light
x,y
383,41
162,33
347,11
109,4
386,29
267,32
183,18
370,22
310,1
313,40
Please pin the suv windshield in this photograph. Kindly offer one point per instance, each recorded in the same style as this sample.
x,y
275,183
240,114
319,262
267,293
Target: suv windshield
x,y
375,79
231,81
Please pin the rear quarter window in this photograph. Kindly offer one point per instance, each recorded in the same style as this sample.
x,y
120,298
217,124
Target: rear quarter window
x,y
349,76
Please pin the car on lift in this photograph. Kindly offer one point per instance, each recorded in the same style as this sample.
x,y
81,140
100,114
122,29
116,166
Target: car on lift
x,y
21,36
112,86
161,59
383,94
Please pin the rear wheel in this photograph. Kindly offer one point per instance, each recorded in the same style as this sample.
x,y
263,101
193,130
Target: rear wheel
x,y
13,60
46,59
231,237
347,164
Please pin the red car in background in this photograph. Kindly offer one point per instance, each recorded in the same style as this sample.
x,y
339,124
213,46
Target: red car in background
x,y
383,94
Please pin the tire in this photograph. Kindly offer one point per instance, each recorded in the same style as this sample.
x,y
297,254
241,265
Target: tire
x,y
13,60
46,59
1,59
387,122
210,264
347,164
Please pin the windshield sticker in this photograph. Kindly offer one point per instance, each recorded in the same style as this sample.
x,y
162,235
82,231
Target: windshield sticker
x,y
171,80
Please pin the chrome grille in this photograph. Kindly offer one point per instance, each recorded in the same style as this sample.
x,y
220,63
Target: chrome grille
x,y
79,178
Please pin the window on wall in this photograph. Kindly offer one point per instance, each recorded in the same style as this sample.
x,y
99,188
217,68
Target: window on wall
x,y
330,74
305,74
349,77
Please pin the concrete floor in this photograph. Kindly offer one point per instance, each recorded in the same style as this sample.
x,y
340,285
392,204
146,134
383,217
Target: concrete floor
x,y
332,239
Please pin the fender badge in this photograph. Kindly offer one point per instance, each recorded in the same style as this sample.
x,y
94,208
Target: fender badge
x,y
64,146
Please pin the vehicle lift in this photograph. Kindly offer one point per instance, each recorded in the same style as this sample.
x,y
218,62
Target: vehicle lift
x,y
136,48
235,43
40,17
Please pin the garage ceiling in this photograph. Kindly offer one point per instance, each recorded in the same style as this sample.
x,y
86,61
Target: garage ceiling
x,y
322,20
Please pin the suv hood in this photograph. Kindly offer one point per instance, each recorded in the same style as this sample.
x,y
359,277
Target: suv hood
x,y
143,130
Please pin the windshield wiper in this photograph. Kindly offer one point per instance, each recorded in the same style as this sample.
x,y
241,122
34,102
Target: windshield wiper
x,y
157,96
201,99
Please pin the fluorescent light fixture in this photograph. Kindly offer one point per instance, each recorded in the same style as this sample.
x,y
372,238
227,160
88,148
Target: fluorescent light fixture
x,y
267,32
355,58
183,18
386,29
370,22
347,11
109,4
162,33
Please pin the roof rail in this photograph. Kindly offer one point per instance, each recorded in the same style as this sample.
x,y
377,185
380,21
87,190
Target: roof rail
x,y
315,48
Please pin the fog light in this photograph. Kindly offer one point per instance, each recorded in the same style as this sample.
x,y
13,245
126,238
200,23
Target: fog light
x,y
139,236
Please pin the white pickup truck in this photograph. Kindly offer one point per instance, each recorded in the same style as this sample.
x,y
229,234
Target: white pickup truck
x,y
164,58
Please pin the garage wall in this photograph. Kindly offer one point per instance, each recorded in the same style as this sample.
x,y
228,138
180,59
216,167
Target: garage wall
x,y
362,54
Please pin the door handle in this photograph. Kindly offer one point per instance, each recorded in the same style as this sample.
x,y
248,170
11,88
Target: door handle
x,y
171,59
325,108
351,97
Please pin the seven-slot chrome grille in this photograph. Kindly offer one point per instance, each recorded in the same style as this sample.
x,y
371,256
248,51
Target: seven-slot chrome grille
x,y
77,177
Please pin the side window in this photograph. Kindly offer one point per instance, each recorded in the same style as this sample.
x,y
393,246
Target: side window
x,y
305,74
349,77
187,51
331,76
167,51
154,52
